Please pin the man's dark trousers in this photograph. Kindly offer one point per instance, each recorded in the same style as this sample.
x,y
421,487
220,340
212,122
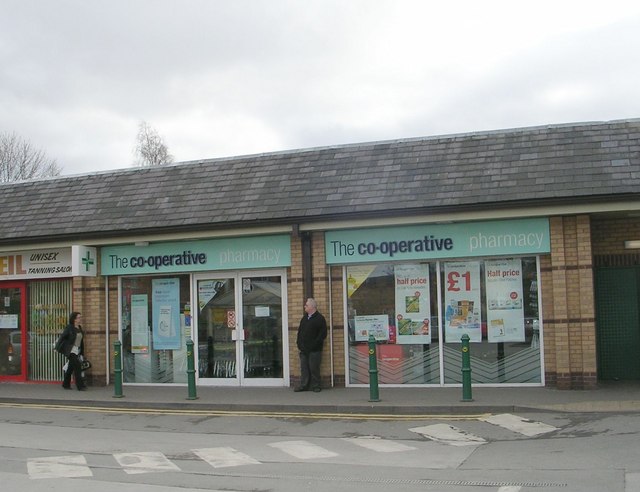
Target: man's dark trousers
x,y
310,369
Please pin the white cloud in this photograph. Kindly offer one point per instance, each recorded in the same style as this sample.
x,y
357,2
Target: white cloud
x,y
218,78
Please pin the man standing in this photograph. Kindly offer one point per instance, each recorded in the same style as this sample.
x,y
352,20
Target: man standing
x,y
311,334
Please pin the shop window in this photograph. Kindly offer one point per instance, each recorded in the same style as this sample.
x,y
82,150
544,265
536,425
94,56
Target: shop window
x,y
155,322
494,301
49,306
397,304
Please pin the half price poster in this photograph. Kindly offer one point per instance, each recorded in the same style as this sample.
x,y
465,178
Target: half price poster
x,y
462,311
413,311
505,310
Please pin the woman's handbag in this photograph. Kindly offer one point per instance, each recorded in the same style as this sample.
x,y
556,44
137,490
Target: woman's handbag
x,y
59,346
85,364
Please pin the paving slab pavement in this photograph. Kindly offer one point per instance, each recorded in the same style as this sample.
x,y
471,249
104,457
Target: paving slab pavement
x,y
611,397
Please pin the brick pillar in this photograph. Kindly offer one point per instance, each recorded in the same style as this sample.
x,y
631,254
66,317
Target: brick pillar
x,y
570,345
296,302
88,299
295,297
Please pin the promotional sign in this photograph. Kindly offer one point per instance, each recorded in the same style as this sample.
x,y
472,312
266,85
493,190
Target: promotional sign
x,y
207,290
166,313
356,275
376,325
505,309
413,310
462,312
406,243
8,321
139,323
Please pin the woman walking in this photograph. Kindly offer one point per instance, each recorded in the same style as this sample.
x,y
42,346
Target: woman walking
x,y
73,348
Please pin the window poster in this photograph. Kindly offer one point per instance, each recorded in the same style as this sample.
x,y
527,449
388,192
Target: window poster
x,y
140,324
166,313
207,290
462,311
505,310
376,325
8,321
413,309
356,275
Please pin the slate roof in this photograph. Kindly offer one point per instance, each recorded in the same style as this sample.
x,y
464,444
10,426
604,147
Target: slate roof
x,y
583,162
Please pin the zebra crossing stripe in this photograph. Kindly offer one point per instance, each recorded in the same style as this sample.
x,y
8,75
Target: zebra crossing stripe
x,y
146,462
58,467
448,434
379,445
519,424
303,450
224,457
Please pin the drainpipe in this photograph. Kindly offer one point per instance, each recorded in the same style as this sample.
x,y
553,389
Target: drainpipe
x,y
307,268
331,328
106,324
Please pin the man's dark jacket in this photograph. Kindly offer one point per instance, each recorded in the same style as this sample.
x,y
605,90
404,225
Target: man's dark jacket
x,y
311,333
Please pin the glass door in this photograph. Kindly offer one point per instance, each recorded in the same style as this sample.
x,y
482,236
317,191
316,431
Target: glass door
x,y
217,328
13,334
241,329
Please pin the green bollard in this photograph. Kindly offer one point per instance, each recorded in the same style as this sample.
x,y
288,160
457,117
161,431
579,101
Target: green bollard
x,y
117,369
373,370
191,371
466,369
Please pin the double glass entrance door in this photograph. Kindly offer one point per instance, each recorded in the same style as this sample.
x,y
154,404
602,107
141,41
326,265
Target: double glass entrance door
x,y
241,329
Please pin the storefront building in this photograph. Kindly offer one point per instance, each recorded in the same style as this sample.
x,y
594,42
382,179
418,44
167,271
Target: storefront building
x,y
36,296
516,238
228,295
419,289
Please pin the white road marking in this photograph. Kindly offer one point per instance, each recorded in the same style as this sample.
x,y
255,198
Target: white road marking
x,y
632,482
511,488
224,457
303,450
377,444
58,467
519,424
146,462
448,434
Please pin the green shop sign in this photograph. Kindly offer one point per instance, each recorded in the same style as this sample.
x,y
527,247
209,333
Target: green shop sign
x,y
489,238
191,256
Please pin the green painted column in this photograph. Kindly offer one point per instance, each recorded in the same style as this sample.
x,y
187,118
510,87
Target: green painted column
x,y
191,371
466,369
373,370
117,369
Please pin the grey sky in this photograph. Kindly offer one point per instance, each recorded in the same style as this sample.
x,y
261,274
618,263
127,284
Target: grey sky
x,y
221,78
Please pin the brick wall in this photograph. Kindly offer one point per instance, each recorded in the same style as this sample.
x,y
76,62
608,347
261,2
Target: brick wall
x,y
609,235
568,305
89,299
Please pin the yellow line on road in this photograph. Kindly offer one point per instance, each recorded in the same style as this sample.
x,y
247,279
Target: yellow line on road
x,y
243,413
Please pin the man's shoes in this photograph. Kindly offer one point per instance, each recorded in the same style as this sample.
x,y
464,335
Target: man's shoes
x,y
298,389
66,387
317,389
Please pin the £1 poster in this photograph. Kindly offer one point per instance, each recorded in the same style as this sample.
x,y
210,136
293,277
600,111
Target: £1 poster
x,y
463,311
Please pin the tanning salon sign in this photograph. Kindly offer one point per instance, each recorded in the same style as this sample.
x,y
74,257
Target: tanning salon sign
x,y
77,261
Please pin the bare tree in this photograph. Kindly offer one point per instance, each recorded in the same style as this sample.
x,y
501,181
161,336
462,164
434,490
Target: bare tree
x,y
150,149
20,160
